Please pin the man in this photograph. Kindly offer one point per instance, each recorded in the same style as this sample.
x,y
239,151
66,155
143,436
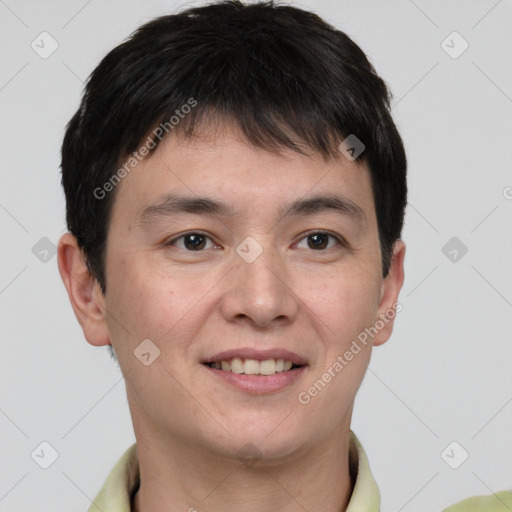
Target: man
x,y
235,191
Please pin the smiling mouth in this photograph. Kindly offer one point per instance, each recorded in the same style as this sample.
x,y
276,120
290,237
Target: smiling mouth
x,y
253,366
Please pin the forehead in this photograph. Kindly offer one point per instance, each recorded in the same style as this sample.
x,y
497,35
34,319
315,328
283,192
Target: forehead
x,y
242,178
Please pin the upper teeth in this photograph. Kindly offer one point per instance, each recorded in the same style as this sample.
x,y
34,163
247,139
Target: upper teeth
x,y
252,366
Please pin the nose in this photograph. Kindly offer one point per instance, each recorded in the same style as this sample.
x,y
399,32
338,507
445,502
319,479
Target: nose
x,y
260,292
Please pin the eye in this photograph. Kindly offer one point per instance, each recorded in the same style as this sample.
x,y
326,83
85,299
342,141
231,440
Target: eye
x,y
196,241
192,241
320,240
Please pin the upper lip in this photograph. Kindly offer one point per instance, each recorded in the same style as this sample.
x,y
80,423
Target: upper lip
x,y
258,355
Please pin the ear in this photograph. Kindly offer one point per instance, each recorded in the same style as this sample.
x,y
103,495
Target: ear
x,y
83,290
391,286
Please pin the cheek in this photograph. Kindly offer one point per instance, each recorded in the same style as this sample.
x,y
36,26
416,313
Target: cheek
x,y
153,303
342,309
345,304
142,304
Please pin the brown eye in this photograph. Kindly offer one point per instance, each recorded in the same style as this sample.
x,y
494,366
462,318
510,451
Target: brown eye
x,y
320,240
191,241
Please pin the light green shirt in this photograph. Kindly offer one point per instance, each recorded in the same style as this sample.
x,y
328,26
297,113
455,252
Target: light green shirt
x,y
123,481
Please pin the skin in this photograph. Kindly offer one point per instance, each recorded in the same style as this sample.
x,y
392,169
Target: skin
x,y
190,424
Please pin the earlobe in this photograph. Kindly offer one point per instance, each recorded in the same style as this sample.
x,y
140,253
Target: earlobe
x,y
391,286
83,290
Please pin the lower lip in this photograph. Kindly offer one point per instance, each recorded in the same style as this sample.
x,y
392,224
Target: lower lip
x,y
259,384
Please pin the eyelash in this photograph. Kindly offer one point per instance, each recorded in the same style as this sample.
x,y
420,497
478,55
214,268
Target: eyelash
x,y
341,241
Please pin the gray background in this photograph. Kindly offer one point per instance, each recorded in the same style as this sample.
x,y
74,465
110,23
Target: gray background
x,y
444,376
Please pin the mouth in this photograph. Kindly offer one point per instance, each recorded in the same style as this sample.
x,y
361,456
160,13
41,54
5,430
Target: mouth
x,y
256,371
247,366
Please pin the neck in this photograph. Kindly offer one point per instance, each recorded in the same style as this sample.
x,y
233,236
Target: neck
x,y
181,477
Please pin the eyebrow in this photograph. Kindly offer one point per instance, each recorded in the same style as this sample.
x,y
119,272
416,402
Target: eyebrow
x,y
172,204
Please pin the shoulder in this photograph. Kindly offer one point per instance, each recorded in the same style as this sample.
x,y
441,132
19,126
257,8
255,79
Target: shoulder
x,y
499,502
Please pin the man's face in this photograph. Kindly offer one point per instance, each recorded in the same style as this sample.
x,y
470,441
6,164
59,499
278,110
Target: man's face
x,y
206,286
